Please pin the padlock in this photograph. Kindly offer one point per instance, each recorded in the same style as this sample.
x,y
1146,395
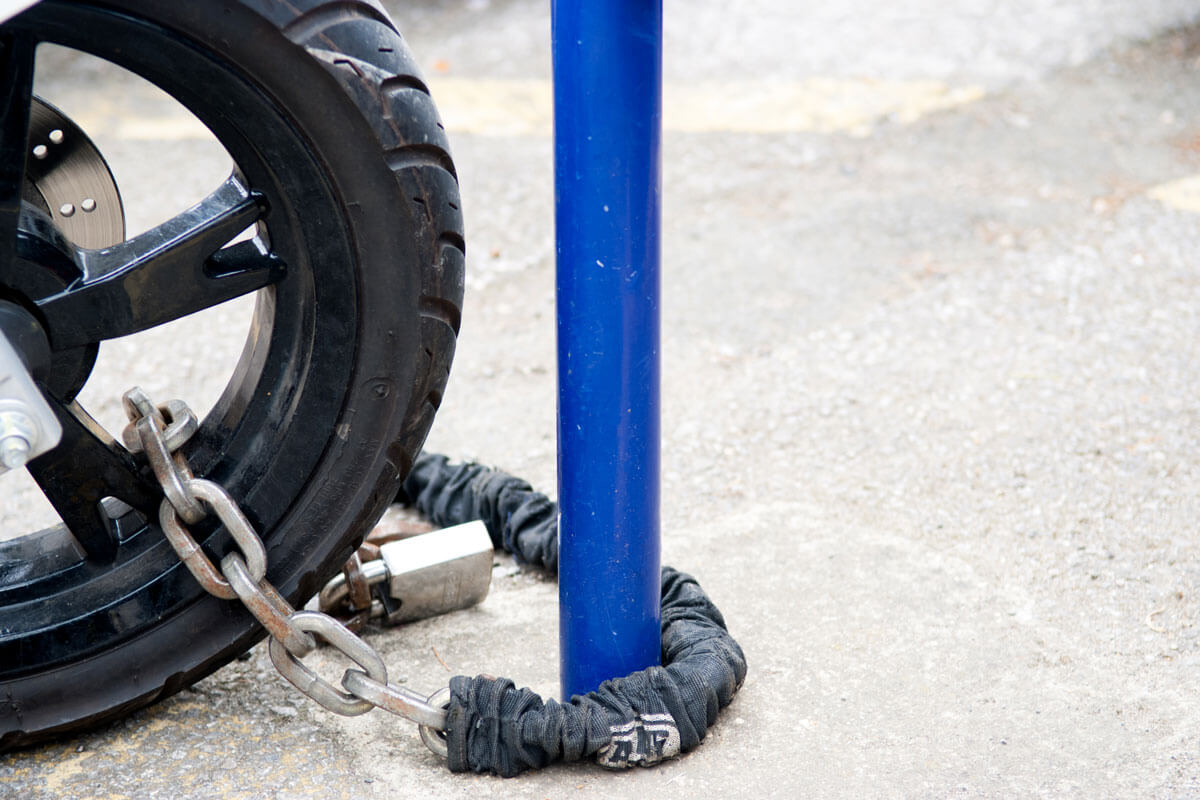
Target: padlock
x,y
437,572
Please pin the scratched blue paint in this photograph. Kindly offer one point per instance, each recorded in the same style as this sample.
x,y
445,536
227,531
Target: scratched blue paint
x,y
607,131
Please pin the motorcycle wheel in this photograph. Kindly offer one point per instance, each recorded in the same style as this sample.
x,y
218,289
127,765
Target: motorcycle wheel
x,y
331,127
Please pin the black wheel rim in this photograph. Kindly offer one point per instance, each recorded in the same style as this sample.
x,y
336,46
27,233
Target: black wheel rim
x,y
272,424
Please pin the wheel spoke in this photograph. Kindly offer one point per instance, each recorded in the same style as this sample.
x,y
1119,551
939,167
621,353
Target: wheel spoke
x,y
165,273
86,467
16,94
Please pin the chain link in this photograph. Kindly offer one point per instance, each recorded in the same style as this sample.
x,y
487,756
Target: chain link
x,y
159,432
235,522
267,605
312,684
351,590
171,469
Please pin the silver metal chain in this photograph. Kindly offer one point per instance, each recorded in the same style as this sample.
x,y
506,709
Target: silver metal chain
x,y
159,432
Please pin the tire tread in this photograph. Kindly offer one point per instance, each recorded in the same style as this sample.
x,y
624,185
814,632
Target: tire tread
x,y
393,97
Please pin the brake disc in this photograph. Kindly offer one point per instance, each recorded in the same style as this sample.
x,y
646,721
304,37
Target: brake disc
x,y
67,178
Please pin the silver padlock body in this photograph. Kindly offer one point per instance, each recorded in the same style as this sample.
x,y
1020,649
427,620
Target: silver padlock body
x,y
440,571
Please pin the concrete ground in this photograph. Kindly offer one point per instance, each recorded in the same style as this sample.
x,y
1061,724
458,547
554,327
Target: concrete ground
x,y
931,361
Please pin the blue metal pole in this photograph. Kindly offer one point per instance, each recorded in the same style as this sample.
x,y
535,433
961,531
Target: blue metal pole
x,y
607,131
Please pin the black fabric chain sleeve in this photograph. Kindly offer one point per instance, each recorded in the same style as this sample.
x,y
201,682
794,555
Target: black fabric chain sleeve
x,y
521,521
637,720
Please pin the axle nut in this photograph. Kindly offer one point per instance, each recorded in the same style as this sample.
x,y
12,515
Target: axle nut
x,y
18,437
14,451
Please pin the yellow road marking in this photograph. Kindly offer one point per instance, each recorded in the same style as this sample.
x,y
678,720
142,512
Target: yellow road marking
x,y
1183,194
820,105
495,107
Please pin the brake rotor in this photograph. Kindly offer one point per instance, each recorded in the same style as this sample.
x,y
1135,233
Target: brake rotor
x,y
67,178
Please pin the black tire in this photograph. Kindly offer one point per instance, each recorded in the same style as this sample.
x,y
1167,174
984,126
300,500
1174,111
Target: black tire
x,y
325,107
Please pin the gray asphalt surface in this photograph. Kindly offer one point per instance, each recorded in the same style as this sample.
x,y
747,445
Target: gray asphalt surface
x,y
930,419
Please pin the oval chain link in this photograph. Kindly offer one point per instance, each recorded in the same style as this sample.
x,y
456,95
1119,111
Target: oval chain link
x,y
182,425
216,498
150,433
159,432
313,684
396,699
434,736
267,605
